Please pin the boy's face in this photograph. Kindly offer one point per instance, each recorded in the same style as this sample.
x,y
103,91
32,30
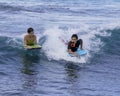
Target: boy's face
x,y
31,33
73,39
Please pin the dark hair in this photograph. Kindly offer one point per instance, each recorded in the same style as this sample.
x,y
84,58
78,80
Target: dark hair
x,y
30,30
74,35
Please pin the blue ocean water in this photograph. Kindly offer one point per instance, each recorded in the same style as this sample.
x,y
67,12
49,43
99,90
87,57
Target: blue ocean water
x,y
51,71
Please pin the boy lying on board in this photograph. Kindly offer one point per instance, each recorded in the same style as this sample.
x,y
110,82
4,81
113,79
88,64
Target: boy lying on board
x,y
30,39
74,44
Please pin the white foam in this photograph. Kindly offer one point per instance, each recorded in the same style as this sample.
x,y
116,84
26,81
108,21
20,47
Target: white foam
x,y
55,48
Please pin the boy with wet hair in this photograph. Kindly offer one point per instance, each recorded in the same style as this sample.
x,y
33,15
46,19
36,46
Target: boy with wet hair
x,y
74,44
30,39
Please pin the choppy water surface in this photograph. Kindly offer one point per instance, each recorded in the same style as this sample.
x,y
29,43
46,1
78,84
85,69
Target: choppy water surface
x,y
50,71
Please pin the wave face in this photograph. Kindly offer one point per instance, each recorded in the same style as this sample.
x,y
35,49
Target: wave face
x,y
60,19
54,21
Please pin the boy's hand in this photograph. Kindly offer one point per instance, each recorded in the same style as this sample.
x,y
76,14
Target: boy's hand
x,y
29,47
75,54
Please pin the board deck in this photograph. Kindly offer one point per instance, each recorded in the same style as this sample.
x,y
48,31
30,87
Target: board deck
x,y
79,52
33,47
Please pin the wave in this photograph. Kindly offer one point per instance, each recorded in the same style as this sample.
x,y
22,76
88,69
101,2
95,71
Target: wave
x,y
55,47
36,8
112,43
12,51
70,8
54,39
6,7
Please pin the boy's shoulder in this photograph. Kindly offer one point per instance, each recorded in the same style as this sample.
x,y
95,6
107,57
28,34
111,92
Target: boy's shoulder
x,y
26,35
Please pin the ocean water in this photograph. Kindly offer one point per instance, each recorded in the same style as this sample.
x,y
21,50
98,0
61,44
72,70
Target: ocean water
x,y
50,71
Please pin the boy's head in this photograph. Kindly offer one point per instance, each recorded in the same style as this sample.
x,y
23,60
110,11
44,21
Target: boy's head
x,y
30,30
74,38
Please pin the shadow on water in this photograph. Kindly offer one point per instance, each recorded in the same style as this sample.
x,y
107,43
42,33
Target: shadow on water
x,y
30,60
72,71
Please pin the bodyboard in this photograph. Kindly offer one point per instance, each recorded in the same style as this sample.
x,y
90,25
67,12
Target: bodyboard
x,y
79,52
33,47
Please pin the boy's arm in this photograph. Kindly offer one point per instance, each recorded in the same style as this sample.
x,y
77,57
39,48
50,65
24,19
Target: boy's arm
x,y
70,51
69,48
35,40
25,43
81,44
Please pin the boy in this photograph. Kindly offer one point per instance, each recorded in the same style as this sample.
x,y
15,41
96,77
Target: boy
x,y
30,39
74,44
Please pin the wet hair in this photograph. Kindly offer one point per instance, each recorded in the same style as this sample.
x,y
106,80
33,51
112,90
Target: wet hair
x,y
30,30
74,36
